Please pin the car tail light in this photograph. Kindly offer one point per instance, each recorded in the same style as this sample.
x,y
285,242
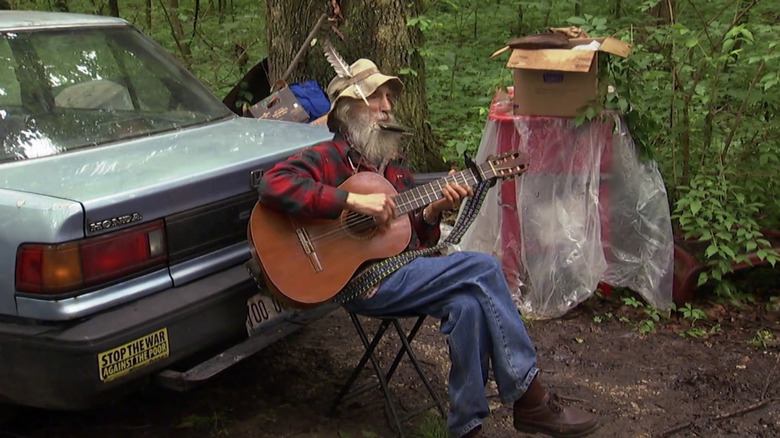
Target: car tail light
x,y
68,267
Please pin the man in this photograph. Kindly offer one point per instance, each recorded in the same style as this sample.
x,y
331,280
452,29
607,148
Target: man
x,y
465,290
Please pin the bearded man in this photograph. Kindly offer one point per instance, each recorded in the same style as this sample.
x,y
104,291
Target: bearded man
x,y
466,291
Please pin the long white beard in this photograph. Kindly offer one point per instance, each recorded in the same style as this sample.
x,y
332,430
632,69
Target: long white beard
x,y
374,144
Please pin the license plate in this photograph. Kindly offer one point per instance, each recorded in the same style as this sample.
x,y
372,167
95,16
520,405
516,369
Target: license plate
x,y
263,311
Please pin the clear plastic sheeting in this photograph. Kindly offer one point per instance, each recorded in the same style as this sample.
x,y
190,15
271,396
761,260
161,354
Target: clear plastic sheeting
x,y
640,250
586,210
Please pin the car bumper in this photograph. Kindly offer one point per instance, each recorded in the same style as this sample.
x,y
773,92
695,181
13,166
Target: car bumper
x,y
65,366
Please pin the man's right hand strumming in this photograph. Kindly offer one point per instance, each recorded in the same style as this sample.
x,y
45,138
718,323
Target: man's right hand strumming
x,y
378,205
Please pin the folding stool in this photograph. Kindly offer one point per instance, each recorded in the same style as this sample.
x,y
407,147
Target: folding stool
x,y
383,376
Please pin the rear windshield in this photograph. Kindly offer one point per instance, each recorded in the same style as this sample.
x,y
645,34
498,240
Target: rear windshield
x,y
63,90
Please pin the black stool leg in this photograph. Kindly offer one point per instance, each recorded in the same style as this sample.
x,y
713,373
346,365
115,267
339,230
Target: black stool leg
x,y
403,336
406,340
369,350
369,355
384,377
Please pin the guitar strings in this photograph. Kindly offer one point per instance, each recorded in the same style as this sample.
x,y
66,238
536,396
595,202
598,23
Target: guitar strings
x,y
361,222
357,222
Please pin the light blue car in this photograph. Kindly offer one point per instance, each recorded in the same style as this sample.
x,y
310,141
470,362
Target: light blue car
x,y
125,191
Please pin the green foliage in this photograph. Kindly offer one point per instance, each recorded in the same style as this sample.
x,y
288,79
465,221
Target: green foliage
x,y
632,302
461,79
652,315
433,426
690,313
694,332
721,211
762,338
653,318
648,324
215,424
707,75
774,304
220,41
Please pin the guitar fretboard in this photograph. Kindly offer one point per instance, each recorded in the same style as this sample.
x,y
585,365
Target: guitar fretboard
x,y
421,196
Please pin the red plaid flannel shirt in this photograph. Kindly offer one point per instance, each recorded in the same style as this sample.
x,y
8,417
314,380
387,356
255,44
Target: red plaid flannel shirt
x,y
306,185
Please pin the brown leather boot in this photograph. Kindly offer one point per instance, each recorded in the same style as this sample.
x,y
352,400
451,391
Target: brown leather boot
x,y
554,419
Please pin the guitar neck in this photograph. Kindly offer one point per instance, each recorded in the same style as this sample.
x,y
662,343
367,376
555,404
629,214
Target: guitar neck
x,y
421,196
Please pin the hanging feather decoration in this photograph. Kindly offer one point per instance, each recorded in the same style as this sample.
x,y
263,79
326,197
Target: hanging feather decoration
x,y
341,67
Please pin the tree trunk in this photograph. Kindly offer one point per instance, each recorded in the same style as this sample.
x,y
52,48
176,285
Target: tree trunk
x,y
664,11
113,8
374,29
61,6
148,15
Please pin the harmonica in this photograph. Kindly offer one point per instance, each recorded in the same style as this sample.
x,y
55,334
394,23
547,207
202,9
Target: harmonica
x,y
392,127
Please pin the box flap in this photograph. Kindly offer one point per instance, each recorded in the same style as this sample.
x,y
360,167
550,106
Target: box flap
x,y
616,47
552,59
609,45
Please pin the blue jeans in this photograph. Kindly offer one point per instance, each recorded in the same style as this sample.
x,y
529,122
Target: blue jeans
x,y
467,291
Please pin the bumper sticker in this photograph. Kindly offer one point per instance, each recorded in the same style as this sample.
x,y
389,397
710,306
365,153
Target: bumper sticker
x,y
135,354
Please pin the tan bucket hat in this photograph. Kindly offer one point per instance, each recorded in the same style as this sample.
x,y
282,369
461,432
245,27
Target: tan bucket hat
x,y
365,76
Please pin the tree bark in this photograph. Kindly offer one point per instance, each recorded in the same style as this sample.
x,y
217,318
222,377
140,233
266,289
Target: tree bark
x,y
148,15
664,11
374,29
61,6
113,8
288,24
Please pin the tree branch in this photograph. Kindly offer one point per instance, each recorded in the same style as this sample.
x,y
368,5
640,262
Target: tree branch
x,y
745,410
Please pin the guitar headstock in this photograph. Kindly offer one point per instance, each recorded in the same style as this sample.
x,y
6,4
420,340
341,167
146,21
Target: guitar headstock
x,y
506,165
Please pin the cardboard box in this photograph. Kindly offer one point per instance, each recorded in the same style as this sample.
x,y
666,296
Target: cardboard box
x,y
560,82
280,105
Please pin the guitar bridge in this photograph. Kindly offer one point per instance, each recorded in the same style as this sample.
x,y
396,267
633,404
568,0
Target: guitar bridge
x,y
308,248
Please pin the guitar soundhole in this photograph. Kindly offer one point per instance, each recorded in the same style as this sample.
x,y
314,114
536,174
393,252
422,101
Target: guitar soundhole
x,y
358,226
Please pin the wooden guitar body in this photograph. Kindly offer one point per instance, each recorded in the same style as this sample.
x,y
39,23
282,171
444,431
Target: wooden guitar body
x,y
308,261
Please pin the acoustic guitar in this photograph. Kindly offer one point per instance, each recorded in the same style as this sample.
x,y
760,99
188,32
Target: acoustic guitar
x,y
306,262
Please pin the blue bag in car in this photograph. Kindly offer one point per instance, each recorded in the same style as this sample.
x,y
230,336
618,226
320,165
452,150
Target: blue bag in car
x,y
312,98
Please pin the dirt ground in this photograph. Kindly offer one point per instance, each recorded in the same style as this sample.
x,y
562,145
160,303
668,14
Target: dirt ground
x,y
660,384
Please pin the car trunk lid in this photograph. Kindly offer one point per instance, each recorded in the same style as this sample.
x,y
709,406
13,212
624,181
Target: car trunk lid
x,y
198,180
